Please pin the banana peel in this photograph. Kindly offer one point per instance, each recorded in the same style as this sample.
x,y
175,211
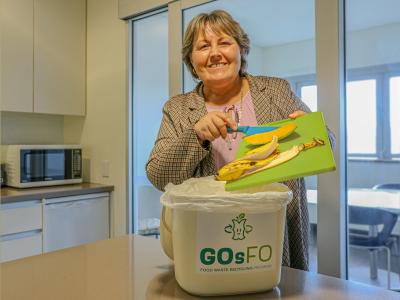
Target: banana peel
x,y
238,169
263,151
234,169
252,159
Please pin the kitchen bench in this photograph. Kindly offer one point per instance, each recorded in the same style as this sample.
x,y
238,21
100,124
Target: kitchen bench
x,y
134,267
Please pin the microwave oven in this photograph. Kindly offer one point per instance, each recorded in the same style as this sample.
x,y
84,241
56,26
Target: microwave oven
x,y
42,165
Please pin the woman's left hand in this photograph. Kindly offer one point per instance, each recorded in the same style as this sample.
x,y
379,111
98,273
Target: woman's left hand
x,y
296,114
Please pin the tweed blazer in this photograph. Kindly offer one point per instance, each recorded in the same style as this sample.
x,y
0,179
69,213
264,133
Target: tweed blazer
x,y
177,155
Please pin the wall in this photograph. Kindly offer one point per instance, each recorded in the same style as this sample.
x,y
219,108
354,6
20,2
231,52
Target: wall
x,y
299,58
28,128
103,132
253,61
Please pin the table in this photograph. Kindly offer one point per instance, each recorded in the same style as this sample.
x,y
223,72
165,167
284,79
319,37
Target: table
x,y
385,199
134,267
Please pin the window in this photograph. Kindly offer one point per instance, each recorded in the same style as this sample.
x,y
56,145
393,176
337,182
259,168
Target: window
x,y
308,94
369,134
361,112
394,86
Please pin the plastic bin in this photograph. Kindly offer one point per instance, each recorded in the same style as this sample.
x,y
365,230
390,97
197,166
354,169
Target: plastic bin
x,y
224,243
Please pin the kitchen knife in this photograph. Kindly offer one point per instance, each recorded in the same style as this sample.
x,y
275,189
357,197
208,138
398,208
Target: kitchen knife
x,y
250,130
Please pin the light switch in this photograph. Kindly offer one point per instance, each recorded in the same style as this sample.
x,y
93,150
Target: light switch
x,y
105,168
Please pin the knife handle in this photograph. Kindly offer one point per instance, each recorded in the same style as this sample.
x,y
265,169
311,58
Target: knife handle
x,y
239,129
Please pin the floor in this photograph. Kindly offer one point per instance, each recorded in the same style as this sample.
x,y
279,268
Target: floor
x,y
359,265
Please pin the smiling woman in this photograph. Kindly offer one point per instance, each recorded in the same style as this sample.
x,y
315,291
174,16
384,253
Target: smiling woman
x,y
193,140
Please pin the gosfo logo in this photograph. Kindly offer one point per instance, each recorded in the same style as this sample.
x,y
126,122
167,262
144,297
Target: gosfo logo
x,y
227,255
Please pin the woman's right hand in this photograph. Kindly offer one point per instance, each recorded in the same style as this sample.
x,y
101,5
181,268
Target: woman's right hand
x,y
213,125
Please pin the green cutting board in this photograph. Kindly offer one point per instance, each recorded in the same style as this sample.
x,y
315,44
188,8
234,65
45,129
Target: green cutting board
x,y
309,162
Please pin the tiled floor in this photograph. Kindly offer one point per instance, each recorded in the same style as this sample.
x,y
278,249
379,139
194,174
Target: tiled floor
x,y
359,266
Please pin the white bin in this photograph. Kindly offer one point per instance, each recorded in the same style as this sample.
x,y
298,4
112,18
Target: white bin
x,y
224,243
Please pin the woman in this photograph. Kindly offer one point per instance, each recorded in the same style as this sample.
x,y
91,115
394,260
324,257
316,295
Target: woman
x,y
193,139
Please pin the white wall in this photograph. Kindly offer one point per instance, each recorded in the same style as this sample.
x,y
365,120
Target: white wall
x,y
254,66
29,128
370,47
103,132
290,59
376,46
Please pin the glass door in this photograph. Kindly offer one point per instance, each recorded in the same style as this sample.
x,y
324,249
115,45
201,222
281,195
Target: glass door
x,y
149,93
373,139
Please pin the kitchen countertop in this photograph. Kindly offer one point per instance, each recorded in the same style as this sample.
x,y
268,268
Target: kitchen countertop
x,y
9,194
134,267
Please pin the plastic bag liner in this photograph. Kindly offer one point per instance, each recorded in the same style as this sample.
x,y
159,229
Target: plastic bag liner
x,y
208,194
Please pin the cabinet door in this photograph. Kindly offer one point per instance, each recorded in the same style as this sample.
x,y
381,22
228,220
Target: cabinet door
x,y
59,56
20,217
20,245
75,220
16,55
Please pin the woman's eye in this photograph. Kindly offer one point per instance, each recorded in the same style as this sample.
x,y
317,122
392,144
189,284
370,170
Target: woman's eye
x,y
203,46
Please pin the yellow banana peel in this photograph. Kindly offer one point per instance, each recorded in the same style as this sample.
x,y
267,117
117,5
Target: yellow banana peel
x,y
234,169
263,151
240,168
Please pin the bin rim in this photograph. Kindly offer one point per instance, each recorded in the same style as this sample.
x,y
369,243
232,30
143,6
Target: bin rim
x,y
269,200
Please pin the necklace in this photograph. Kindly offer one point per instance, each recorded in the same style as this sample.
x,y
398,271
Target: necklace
x,y
235,112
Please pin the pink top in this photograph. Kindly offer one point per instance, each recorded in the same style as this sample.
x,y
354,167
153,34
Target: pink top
x,y
224,151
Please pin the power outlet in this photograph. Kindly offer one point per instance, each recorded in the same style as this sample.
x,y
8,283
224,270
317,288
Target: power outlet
x,y
105,168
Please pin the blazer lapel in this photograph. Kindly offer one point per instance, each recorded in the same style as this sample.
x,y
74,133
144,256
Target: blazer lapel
x,y
196,105
261,99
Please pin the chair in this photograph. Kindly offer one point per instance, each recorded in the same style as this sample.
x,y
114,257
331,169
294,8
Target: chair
x,y
387,186
374,240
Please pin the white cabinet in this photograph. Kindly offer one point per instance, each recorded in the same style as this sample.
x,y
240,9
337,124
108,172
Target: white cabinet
x,y
43,56
33,227
20,245
16,55
75,220
59,56
20,230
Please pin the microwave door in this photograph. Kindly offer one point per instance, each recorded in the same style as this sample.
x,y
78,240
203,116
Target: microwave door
x,y
32,165
55,164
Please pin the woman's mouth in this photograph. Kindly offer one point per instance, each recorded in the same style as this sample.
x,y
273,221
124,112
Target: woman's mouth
x,y
218,65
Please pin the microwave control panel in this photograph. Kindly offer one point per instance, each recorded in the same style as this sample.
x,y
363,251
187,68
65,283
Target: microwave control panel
x,y
76,163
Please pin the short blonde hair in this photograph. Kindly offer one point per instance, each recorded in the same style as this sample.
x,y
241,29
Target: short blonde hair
x,y
219,21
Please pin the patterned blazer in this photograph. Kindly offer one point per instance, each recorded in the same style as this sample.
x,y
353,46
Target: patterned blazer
x,y
177,155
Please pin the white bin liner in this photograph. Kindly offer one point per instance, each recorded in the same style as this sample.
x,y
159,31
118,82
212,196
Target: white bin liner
x,y
207,194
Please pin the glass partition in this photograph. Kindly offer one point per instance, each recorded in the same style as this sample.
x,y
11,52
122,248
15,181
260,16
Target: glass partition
x,y
150,92
373,122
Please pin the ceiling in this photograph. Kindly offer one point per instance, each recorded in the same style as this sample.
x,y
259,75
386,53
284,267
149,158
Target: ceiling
x,y
272,22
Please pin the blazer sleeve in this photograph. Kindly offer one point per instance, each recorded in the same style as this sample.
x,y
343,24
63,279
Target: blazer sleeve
x,y
176,153
287,102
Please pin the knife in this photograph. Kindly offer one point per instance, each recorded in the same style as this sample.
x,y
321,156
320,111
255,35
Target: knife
x,y
250,130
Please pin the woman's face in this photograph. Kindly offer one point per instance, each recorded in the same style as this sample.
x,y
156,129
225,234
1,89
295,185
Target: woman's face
x,y
216,57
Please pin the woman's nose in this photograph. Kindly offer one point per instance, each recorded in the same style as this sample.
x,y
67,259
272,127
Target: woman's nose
x,y
214,53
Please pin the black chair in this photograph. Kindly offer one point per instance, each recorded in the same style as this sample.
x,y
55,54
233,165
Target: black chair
x,y
373,240
387,186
